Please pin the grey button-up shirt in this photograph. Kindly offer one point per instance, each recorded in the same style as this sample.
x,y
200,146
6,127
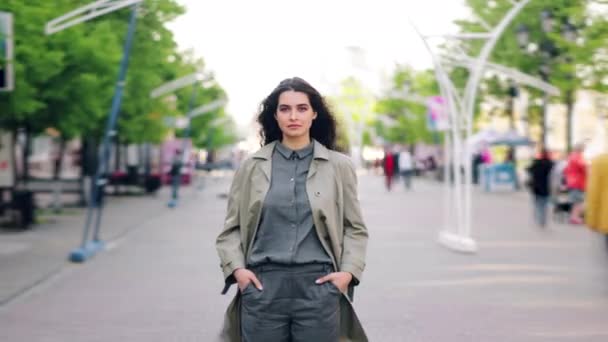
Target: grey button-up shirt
x,y
286,234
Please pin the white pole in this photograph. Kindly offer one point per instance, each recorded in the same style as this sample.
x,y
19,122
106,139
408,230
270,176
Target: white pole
x,y
469,103
447,188
453,156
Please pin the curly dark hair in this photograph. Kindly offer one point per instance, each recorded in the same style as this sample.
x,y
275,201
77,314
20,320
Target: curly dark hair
x,y
323,128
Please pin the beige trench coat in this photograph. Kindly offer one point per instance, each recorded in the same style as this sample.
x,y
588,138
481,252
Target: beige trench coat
x,y
332,192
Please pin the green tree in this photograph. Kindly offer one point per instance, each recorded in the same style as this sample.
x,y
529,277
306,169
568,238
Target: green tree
x,y
66,81
574,64
54,85
154,61
353,108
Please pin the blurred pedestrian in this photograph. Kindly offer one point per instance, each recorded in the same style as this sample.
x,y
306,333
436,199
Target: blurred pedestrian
x,y
388,165
406,167
176,177
576,177
596,213
539,184
293,240
511,159
486,155
477,161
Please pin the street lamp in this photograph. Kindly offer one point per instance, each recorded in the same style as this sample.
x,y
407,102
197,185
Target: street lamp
x,y
95,206
523,35
547,20
569,32
549,53
513,93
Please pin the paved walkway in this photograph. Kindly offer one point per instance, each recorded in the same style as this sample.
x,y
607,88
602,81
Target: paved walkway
x,y
28,257
161,280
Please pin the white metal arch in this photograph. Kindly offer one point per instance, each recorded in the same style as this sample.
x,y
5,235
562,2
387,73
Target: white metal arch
x,y
461,120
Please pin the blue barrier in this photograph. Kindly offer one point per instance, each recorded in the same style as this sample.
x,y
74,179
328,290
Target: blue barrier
x,y
498,175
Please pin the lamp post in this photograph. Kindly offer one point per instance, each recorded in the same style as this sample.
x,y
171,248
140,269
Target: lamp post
x,y
549,55
513,93
88,248
204,109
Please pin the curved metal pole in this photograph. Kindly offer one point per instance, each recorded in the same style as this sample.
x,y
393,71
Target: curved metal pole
x,y
448,92
469,101
95,207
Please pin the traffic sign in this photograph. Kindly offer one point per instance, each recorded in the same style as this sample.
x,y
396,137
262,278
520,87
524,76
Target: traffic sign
x,y
7,82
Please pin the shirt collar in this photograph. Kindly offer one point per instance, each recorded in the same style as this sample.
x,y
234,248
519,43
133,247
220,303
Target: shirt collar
x,y
301,153
265,153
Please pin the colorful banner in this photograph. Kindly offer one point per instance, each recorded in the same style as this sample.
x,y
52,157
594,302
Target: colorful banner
x,y
438,118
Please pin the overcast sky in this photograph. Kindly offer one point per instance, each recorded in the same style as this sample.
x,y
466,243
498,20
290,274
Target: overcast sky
x,y
252,45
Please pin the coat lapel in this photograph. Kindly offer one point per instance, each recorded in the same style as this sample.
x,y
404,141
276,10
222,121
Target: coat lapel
x,y
320,155
265,157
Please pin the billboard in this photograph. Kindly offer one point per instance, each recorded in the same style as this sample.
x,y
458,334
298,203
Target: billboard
x,y
7,82
438,118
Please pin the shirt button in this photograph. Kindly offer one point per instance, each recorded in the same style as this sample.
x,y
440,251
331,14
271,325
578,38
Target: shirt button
x,y
293,225
291,180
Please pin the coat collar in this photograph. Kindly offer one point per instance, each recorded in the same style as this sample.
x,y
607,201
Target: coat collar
x,y
265,153
320,152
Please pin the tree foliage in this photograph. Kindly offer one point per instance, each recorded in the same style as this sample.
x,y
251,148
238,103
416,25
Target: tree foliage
x,y
405,121
353,107
67,80
575,64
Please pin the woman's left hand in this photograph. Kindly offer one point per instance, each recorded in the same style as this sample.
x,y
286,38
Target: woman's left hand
x,y
339,279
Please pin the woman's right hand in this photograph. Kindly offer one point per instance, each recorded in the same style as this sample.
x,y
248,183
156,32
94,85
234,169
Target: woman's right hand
x,y
244,276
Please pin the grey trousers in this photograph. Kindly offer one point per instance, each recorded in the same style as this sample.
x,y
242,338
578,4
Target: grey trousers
x,y
291,307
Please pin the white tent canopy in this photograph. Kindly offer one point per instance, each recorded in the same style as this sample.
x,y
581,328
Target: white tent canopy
x,y
492,137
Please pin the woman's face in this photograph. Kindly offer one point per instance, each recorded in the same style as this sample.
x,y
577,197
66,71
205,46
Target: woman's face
x,y
294,114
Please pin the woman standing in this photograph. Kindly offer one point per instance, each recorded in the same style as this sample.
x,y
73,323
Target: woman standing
x,y
294,240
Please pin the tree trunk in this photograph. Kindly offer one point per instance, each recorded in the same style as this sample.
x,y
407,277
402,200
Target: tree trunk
x,y
89,162
59,159
14,156
26,154
117,156
511,112
146,160
544,120
569,115
83,160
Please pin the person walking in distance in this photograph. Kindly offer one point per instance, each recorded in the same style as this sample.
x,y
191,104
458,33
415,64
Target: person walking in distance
x,y
176,177
388,165
406,167
539,183
294,240
576,177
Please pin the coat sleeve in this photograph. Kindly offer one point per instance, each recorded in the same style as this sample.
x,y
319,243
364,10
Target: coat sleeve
x,y
355,232
228,243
